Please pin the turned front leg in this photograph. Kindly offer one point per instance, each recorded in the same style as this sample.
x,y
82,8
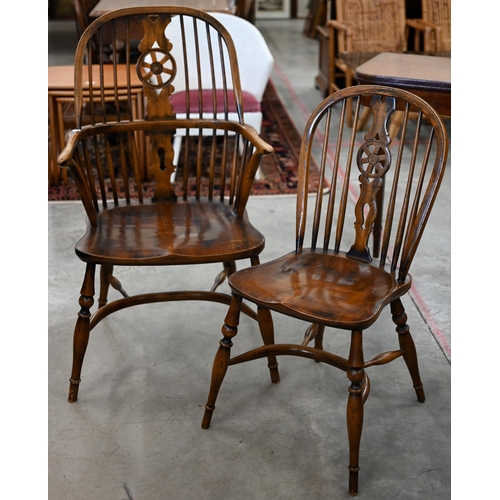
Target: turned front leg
x,y
355,402
221,361
82,331
408,346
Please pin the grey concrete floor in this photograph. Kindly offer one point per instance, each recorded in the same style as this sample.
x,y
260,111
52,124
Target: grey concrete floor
x,y
135,431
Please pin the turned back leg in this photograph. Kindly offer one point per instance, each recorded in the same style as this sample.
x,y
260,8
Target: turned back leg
x,y
267,331
408,346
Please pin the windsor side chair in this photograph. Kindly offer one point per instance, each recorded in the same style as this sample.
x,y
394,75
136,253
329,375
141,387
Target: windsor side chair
x,y
333,282
136,223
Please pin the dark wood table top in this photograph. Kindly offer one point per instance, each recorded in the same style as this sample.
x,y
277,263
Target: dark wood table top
x,y
105,6
426,76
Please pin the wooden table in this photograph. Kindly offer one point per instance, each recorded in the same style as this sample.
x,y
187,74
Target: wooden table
x,y
429,77
105,6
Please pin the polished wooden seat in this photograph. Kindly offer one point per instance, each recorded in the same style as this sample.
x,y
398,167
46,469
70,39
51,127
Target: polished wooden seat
x,y
330,280
198,232
131,222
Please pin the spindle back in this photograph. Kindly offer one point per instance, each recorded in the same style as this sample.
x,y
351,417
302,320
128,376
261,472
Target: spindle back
x,y
370,181
126,111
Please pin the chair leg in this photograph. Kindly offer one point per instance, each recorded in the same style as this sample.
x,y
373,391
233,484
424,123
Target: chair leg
x,y
221,361
267,331
408,346
108,279
82,331
106,272
355,402
318,340
314,332
229,268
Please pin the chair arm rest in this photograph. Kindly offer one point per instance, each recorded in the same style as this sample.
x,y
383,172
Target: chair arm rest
x,y
68,152
344,33
336,25
251,134
428,30
421,24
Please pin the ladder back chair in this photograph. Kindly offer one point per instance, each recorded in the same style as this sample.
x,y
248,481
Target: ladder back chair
x,y
200,220
330,280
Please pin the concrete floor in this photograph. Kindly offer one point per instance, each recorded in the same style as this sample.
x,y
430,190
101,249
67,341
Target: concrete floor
x,y
135,431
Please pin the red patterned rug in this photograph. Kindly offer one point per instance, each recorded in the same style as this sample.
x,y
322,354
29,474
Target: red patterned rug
x,y
279,171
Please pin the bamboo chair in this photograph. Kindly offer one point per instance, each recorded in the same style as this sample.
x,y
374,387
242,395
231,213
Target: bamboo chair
x,y
363,27
434,27
132,223
335,282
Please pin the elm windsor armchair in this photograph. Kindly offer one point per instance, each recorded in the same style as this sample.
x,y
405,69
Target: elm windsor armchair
x,y
335,284
133,223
